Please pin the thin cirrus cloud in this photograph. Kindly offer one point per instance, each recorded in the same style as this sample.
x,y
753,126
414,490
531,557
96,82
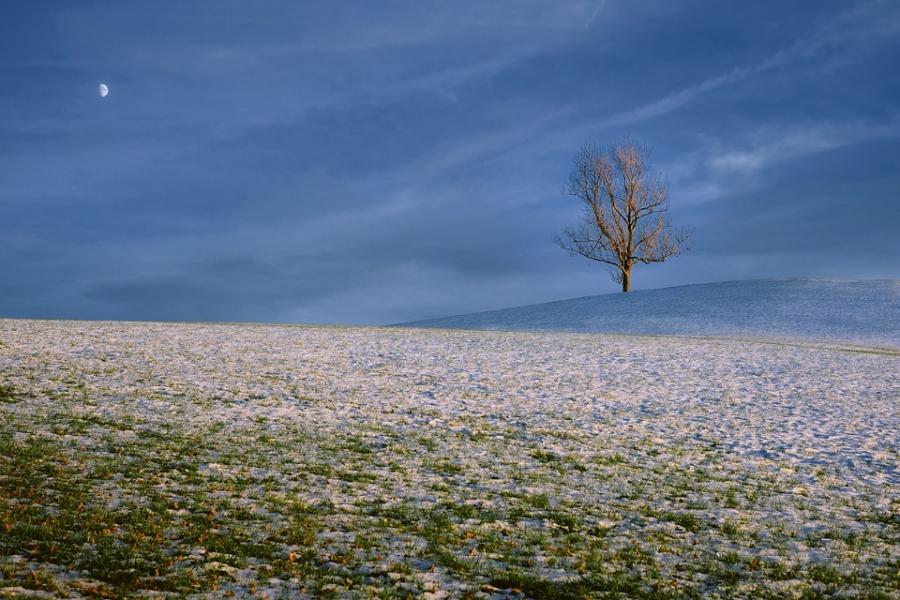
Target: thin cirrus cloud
x,y
855,31
780,147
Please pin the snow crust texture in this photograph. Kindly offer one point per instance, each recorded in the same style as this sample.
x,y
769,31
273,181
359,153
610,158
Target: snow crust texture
x,y
205,461
864,312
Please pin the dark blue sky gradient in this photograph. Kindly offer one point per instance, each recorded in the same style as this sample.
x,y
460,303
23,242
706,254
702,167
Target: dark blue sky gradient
x,y
351,163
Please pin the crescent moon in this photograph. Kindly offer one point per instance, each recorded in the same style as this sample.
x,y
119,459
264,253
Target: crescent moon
x,y
104,90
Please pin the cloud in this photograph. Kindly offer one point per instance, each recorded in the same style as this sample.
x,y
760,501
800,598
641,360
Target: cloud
x,y
600,6
281,59
773,146
855,32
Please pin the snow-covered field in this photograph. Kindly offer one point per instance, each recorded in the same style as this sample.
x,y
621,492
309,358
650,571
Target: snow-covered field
x,y
847,311
213,460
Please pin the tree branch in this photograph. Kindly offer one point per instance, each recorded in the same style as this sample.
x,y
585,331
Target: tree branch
x,y
625,209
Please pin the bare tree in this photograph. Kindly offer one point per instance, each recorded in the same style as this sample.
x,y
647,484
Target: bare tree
x,y
625,219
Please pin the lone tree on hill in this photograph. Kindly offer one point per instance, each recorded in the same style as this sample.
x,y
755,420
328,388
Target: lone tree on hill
x,y
625,206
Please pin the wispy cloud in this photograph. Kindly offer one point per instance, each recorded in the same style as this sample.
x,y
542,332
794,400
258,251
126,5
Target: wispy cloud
x,y
725,168
776,146
855,31
600,6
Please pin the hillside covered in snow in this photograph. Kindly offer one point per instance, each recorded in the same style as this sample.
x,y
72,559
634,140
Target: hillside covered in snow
x,y
852,311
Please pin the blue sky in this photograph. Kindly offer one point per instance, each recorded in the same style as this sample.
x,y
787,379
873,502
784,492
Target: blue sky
x,y
371,163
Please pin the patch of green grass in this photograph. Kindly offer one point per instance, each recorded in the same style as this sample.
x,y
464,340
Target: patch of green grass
x,y
544,456
614,459
461,510
730,528
690,521
438,527
121,548
357,445
538,500
8,394
429,443
445,467
618,585
567,521
357,475
37,580
827,574
401,515
730,499
632,555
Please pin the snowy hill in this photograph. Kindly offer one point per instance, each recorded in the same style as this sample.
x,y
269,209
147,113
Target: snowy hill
x,y
853,311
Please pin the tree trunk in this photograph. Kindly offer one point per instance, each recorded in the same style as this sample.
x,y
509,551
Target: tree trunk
x,y
626,280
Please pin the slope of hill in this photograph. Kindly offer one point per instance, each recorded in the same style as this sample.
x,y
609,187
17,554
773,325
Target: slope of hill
x,y
853,311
